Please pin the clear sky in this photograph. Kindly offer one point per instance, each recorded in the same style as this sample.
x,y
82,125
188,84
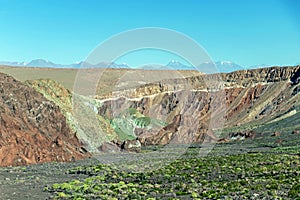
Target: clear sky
x,y
247,32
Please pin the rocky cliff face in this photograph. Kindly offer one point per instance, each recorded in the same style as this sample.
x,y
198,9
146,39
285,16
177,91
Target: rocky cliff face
x,y
63,98
178,110
196,106
38,123
262,75
262,101
242,78
188,115
33,130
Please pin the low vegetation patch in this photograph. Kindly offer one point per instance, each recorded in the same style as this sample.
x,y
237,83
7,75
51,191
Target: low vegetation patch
x,y
241,176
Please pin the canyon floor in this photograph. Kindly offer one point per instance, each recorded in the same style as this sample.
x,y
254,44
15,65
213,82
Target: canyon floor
x,y
270,168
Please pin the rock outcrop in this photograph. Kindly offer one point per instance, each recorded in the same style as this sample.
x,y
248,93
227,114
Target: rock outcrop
x,y
194,107
242,135
276,134
64,99
132,146
32,128
38,122
181,109
237,79
186,113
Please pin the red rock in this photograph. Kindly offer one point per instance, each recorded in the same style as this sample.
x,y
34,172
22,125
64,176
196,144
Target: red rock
x,y
223,140
191,114
33,130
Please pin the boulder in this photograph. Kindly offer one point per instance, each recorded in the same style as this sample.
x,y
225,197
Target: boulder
x,y
109,147
248,134
276,134
131,146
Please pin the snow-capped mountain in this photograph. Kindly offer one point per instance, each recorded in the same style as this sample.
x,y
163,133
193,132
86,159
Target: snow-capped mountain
x,y
13,63
154,67
220,66
174,64
48,64
206,67
259,66
228,66
42,63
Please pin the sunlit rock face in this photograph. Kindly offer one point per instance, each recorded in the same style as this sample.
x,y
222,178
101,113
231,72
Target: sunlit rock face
x,y
33,129
193,109
159,108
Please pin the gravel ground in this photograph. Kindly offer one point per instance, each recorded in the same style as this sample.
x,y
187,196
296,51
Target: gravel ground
x,y
28,182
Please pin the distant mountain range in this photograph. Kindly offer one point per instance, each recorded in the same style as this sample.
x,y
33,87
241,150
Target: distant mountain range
x,y
48,64
207,67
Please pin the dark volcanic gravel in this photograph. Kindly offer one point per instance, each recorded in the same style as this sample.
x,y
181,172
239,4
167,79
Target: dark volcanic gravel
x,y
28,182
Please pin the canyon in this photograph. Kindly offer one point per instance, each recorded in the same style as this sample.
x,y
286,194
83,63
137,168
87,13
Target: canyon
x,y
44,121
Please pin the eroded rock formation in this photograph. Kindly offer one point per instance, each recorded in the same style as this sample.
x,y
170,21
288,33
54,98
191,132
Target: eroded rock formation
x,y
196,106
32,129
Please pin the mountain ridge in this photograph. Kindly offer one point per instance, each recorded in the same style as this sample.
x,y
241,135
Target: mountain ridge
x,y
206,67
48,64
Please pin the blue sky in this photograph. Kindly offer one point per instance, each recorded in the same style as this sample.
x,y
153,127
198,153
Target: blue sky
x,y
247,32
